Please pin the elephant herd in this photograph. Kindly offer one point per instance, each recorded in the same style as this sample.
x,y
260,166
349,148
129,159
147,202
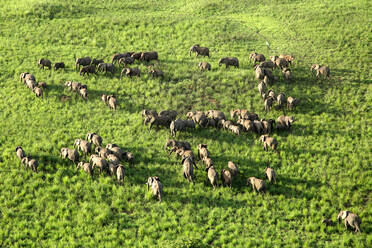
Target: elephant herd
x,y
108,159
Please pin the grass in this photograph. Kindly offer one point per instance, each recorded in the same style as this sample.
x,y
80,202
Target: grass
x,y
324,163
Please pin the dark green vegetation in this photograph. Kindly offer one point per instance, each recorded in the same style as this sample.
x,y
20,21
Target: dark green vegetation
x,y
324,164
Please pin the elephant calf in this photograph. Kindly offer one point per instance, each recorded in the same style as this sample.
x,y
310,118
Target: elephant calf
x,y
83,92
70,154
38,91
351,219
269,142
156,73
280,100
30,163
59,65
203,151
86,167
257,184
204,66
270,174
287,74
44,63
89,69
156,186
235,129
262,89
229,61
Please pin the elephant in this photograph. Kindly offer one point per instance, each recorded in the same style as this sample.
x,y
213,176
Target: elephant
x,y
126,61
118,56
268,64
70,154
158,121
89,69
258,127
280,100
188,169
204,66
233,169
225,124
292,102
270,174
156,73
148,113
268,125
262,89
96,62
269,142
112,168
106,67
24,161
226,177
86,167
259,72
99,162
351,219
82,62
198,50
271,93
178,144
73,86
172,114
285,121
120,174
38,91
288,58
257,57
44,63
83,145
83,92
94,138
212,176
287,74
112,102
198,117
268,103
42,85
280,62
130,72
27,76
148,56
257,184
247,125
30,84
203,151
32,164
177,125
229,61
59,65
112,158
156,186
208,162
136,56
117,151
321,70
234,129
216,115
102,152
20,152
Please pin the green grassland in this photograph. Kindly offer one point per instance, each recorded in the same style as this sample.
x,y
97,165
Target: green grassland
x,y
324,164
